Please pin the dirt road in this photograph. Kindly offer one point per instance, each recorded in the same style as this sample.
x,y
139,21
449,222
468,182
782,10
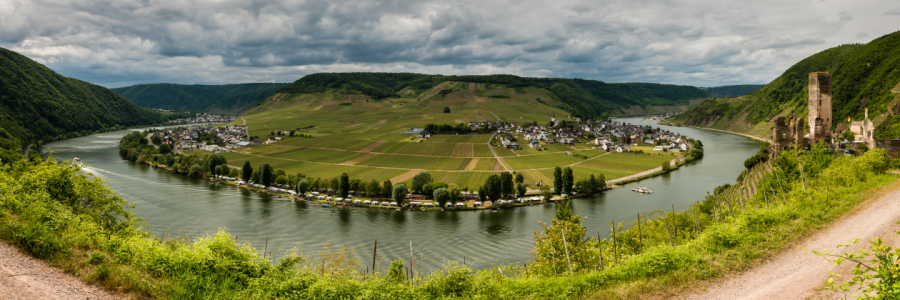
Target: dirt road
x,y
798,273
25,277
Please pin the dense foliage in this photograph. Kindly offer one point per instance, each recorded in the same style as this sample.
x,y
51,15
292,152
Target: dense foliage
x,y
727,91
37,104
862,77
224,99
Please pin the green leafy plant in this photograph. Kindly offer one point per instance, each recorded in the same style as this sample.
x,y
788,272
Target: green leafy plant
x,y
876,274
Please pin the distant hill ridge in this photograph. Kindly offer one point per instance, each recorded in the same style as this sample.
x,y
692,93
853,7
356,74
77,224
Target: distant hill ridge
x,y
726,91
220,99
581,97
863,76
37,104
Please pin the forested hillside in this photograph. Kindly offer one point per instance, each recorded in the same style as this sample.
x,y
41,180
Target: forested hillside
x,y
580,97
863,75
223,99
37,104
726,91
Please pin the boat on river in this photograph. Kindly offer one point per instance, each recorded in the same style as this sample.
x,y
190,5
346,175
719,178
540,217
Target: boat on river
x,y
642,190
326,205
78,161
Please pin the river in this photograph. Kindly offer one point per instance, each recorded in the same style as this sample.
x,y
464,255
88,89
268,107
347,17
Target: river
x,y
173,203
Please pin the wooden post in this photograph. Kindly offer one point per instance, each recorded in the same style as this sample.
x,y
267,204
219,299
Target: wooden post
x,y
566,245
666,222
612,225
674,223
640,234
781,185
410,258
599,250
267,246
374,255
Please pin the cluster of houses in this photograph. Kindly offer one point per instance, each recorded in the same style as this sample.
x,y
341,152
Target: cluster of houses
x,y
607,136
205,118
220,138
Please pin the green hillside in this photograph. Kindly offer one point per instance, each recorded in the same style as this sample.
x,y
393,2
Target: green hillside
x,y
221,99
582,98
726,91
863,75
37,104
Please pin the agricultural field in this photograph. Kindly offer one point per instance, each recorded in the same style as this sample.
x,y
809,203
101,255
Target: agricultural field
x,y
362,136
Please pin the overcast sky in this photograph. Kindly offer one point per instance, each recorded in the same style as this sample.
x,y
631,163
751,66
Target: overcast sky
x,y
701,43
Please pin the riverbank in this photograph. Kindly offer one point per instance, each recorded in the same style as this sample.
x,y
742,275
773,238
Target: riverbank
x,y
750,136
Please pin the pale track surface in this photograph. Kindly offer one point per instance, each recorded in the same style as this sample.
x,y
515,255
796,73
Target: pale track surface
x,y
25,277
798,273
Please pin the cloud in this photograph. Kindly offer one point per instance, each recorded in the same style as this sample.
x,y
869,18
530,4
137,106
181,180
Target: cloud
x,y
893,12
699,42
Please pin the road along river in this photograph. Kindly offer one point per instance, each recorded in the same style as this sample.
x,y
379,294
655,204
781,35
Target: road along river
x,y
171,202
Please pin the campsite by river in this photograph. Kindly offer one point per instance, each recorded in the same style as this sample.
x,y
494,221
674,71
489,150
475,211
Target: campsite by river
x,y
173,203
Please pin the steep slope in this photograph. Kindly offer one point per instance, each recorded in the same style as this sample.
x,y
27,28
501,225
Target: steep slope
x,y
863,76
582,98
226,99
726,91
37,104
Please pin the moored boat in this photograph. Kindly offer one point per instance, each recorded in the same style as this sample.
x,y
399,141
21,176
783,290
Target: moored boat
x,y
77,161
642,190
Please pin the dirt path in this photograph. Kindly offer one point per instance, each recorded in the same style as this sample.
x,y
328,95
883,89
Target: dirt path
x,y
25,277
797,273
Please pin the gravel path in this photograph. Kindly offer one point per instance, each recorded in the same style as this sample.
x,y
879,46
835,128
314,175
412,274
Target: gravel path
x,y
25,277
797,273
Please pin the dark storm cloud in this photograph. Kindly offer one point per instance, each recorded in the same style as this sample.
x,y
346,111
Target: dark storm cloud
x,y
702,42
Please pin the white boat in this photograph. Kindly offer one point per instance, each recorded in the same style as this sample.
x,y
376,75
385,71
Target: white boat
x,y
642,190
77,161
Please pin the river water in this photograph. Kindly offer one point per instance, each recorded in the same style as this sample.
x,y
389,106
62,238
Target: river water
x,y
174,203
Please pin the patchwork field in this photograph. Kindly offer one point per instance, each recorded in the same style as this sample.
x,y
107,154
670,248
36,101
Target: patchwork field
x,y
362,137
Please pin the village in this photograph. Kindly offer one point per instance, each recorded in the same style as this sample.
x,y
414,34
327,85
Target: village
x,y
205,118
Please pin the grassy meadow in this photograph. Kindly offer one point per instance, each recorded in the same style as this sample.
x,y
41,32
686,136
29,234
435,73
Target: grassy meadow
x,y
362,137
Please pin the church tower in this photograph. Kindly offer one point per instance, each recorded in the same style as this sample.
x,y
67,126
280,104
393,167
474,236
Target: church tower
x,y
819,107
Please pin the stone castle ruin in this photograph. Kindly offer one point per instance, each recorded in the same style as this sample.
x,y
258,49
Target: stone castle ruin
x,y
820,107
785,135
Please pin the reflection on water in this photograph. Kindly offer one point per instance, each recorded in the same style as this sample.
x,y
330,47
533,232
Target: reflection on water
x,y
172,202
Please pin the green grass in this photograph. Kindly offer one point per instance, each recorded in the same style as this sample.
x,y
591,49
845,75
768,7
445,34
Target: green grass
x,y
541,161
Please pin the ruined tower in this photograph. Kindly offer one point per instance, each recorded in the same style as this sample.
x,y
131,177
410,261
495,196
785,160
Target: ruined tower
x,y
819,107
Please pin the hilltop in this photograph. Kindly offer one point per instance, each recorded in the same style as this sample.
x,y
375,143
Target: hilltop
x,y
230,99
582,98
37,104
863,77
726,91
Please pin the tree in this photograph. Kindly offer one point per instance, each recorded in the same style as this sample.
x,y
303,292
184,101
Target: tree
x,y
165,149
419,182
281,179
666,167
255,176
386,188
557,181
266,177
520,187
234,173
214,160
520,178
218,171
225,170
507,185
316,184
493,187
454,194
441,195
246,171
601,182
431,187
196,172
547,195
482,194
568,180
399,193
302,186
446,110
373,188
344,185
334,185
